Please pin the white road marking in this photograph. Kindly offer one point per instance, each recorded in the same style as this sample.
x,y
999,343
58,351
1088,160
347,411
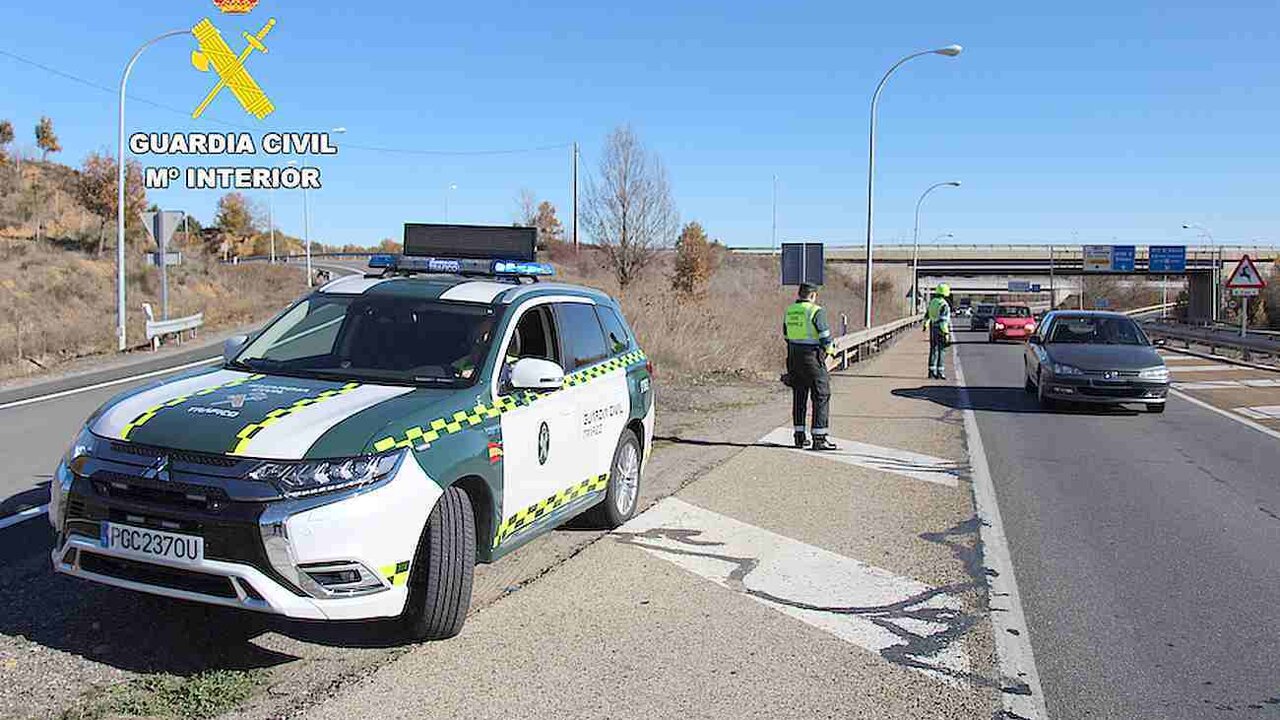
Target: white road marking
x,y
23,515
1260,412
1009,623
858,603
109,383
891,460
1204,368
1226,414
1228,384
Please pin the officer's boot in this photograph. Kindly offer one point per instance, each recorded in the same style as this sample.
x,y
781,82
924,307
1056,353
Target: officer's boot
x,y
820,442
800,440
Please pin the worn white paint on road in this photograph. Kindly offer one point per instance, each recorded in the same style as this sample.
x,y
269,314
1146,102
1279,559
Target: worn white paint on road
x,y
891,460
1204,368
900,618
1260,412
1228,384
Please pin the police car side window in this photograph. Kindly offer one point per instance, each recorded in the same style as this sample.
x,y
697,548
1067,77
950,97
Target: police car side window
x,y
535,336
580,335
615,332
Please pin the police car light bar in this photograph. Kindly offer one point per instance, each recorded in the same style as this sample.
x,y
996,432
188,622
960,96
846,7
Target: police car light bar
x,y
462,266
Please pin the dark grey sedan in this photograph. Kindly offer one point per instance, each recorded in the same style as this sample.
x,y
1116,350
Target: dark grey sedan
x,y
1095,357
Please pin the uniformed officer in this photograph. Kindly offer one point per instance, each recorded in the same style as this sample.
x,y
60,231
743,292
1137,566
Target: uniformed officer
x,y
808,343
938,321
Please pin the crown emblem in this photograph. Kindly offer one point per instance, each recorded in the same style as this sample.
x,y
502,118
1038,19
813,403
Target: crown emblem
x,y
235,7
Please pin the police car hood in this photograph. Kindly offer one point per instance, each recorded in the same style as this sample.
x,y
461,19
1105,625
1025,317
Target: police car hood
x,y
262,416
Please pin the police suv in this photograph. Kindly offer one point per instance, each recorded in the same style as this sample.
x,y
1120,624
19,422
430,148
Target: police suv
x,y
355,457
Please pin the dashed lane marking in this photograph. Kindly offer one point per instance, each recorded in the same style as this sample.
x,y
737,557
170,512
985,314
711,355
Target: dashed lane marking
x,y
891,460
863,605
1205,368
1226,414
23,515
1228,384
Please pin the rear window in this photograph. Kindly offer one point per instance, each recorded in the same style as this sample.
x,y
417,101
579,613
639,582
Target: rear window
x,y
580,335
1015,311
985,309
615,331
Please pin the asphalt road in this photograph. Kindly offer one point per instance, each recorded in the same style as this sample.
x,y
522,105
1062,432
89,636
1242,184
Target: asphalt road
x,y
1147,548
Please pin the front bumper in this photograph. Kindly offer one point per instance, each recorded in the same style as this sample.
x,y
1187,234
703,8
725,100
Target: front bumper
x,y
257,553
1010,333
1105,392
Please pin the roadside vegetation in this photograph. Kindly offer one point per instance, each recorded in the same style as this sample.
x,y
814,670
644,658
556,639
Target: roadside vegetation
x,y
204,695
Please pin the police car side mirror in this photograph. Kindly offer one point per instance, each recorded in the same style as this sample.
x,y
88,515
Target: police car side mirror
x,y
231,346
536,374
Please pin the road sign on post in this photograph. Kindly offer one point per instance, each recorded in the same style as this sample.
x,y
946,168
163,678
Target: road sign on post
x,y
1245,281
161,226
1019,286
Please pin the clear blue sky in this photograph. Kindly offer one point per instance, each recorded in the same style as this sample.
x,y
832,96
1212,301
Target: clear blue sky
x,y
1095,121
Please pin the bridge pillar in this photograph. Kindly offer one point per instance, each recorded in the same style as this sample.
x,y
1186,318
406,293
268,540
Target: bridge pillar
x,y
1199,297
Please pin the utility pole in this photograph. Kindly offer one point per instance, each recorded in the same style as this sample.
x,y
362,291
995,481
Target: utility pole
x,y
1053,295
271,222
575,197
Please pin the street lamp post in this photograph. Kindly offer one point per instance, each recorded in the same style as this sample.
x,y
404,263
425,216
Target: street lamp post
x,y
1215,256
271,222
948,51
773,235
447,190
120,178
915,251
306,217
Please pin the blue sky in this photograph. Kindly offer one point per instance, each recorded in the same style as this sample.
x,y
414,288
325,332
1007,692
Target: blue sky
x,y
1092,121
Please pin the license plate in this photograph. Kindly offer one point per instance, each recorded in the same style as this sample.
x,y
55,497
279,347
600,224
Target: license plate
x,y
150,544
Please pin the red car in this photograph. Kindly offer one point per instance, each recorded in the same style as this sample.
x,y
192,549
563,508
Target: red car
x,y
1011,322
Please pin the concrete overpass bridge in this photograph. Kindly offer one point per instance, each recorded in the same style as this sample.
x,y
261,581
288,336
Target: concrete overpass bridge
x,y
1057,269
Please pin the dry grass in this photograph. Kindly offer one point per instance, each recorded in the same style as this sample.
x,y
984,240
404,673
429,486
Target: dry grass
x,y
736,327
58,304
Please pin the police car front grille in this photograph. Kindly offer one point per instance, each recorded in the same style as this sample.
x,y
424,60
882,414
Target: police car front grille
x,y
185,456
169,495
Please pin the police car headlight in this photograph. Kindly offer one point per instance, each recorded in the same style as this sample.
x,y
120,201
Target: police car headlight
x,y
72,464
1155,373
1062,369
299,479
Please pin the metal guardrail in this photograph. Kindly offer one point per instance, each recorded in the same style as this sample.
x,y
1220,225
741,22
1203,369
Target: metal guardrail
x,y
860,345
156,329
1216,339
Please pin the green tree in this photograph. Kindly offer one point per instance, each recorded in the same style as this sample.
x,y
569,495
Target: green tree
x,y
46,138
693,261
96,191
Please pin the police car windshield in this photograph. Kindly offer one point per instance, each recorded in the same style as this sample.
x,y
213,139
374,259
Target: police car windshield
x,y
379,338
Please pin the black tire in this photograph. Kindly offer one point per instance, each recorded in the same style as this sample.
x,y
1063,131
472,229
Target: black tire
x,y
607,514
440,581
1153,408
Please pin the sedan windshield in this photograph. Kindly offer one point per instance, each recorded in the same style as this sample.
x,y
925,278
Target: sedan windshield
x,y
399,340
1013,311
1096,331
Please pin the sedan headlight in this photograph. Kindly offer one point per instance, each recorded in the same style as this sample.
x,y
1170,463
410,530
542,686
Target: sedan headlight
x,y
72,464
299,479
1155,373
1062,369
999,326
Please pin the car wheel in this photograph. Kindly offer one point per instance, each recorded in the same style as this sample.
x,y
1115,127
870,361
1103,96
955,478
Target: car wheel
x,y
623,496
1046,402
1155,408
440,582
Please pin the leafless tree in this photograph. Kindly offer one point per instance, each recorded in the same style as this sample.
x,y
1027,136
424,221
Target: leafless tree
x,y
628,208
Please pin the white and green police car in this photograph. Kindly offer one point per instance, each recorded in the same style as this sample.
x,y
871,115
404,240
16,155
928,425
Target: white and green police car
x,y
357,456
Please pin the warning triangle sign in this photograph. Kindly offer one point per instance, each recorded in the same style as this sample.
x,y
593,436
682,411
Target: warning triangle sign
x,y
1246,275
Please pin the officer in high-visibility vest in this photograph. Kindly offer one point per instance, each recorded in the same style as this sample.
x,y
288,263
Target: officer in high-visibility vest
x,y
937,318
808,344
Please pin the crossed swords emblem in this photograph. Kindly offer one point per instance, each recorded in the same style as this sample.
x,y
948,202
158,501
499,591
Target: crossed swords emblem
x,y
214,52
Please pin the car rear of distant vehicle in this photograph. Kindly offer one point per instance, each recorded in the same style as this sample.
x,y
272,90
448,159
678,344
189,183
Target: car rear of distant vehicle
x,y
981,319
1011,322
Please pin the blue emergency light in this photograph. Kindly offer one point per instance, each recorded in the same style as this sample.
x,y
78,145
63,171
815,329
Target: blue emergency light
x,y
461,266
524,269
